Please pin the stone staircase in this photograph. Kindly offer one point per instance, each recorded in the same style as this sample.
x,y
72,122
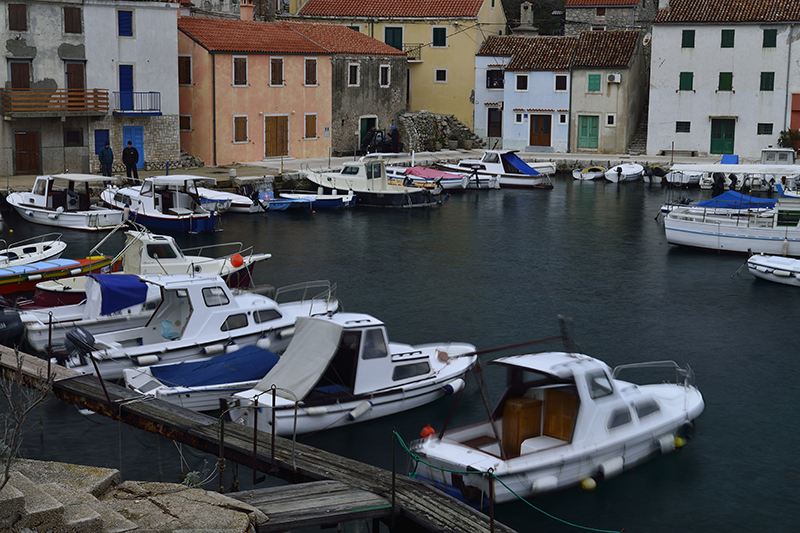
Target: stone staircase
x,y
638,144
51,497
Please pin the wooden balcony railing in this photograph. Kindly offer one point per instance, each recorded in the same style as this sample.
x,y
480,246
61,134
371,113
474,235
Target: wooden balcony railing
x,y
54,102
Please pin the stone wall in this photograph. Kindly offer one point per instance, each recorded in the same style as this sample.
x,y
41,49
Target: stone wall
x,y
161,141
419,131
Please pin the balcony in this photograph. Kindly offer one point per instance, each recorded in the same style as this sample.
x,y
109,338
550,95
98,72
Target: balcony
x,y
24,103
413,51
133,104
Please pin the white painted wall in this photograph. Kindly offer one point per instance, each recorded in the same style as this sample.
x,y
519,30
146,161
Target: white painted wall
x,y
746,60
153,50
484,95
541,98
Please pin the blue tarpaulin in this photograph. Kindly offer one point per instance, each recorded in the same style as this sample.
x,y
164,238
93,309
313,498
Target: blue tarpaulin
x,y
519,164
120,291
249,363
737,200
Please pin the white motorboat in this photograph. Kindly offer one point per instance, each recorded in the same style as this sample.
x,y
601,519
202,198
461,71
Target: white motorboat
x,y
198,316
759,230
775,268
684,177
200,385
65,201
228,201
340,370
148,253
426,177
320,200
589,173
624,173
165,203
728,201
368,180
41,248
508,168
565,419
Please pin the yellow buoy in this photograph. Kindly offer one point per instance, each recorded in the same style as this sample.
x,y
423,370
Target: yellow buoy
x,y
679,442
588,484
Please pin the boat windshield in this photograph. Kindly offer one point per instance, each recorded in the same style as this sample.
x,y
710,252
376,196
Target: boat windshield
x,y
40,187
350,170
599,384
491,158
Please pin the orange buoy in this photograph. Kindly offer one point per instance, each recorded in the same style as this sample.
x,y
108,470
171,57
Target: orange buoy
x,y
237,260
427,431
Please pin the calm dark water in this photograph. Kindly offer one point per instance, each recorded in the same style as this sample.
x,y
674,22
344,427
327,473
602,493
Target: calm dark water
x,y
495,268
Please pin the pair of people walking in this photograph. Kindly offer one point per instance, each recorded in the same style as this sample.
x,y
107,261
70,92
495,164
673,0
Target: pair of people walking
x,y
130,158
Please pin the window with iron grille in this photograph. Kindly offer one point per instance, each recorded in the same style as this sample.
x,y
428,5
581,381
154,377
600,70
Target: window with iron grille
x,y
682,127
764,129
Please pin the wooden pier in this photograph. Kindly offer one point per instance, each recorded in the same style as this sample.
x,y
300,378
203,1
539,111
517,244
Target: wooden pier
x,y
336,489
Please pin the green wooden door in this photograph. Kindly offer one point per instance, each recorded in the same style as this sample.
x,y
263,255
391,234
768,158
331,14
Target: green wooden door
x,y
722,134
588,131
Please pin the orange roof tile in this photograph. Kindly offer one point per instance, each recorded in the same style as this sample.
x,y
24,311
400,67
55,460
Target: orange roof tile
x,y
605,49
392,8
602,3
238,36
730,11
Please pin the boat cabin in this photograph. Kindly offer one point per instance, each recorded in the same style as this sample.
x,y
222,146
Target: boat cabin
x,y
68,192
777,156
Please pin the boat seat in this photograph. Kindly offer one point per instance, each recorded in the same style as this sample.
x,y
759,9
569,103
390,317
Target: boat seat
x,y
166,330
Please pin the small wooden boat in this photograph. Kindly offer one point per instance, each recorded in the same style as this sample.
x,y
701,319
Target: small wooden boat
x,y
285,203
775,268
624,173
341,369
589,173
23,278
65,201
41,248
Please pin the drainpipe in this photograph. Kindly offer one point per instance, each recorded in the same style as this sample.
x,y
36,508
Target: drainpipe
x,y
788,72
633,19
214,103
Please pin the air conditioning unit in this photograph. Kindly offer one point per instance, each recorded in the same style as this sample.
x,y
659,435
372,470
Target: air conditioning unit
x,y
614,78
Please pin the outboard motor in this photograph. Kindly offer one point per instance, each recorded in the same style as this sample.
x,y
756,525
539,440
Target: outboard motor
x,y
79,344
11,328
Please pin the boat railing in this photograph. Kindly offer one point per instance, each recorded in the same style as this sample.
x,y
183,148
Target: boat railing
x,y
32,240
314,291
758,217
683,376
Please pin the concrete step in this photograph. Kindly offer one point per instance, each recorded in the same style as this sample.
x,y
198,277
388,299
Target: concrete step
x,y
41,511
78,517
77,478
12,503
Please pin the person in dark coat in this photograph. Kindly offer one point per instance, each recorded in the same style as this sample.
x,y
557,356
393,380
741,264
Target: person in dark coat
x,y
394,135
367,140
106,157
130,156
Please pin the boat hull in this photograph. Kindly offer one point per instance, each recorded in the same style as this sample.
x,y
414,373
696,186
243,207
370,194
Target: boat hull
x,y
776,269
23,278
92,220
188,224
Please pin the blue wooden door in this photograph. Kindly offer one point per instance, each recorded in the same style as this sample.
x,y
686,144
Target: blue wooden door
x,y
134,134
126,87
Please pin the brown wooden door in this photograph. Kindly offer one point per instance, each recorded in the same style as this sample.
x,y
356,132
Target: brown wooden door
x,y
276,136
540,130
20,74
26,152
560,409
75,76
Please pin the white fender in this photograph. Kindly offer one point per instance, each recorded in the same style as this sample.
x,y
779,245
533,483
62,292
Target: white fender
x,y
213,349
666,443
611,467
544,484
317,410
147,360
360,410
454,386
263,343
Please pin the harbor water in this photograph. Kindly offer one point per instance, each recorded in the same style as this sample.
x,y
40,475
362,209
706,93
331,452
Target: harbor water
x,y
498,267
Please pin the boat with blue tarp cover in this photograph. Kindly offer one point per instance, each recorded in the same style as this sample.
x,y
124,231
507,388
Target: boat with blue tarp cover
x,y
199,385
508,168
727,200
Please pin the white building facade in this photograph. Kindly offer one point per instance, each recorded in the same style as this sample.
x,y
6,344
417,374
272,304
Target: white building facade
x,y
722,80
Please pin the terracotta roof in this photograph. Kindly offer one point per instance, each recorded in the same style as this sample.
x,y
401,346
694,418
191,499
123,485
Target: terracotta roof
x,y
730,11
392,8
602,3
605,49
238,36
599,49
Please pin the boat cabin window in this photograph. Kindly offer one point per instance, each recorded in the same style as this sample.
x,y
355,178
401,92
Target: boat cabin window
x,y
234,322
491,158
619,417
122,198
350,170
409,371
266,315
40,187
645,408
374,344
147,188
215,296
599,385
191,187
161,251
373,170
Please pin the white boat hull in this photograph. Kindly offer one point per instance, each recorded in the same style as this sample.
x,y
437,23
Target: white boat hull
x,y
778,269
96,219
625,173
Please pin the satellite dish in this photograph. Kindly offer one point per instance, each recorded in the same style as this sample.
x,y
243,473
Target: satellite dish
x,y
646,39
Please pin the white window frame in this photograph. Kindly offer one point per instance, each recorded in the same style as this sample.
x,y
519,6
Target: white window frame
x,y
611,120
527,83
562,118
316,71
316,123
283,72
358,74
446,41
247,129
446,75
519,117
246,71
191,123
388,75
555,85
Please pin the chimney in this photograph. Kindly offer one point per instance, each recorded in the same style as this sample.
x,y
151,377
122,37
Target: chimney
x,y
246,10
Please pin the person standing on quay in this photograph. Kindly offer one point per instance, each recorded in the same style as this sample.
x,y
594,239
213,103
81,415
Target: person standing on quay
x,y
106,157
130,156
